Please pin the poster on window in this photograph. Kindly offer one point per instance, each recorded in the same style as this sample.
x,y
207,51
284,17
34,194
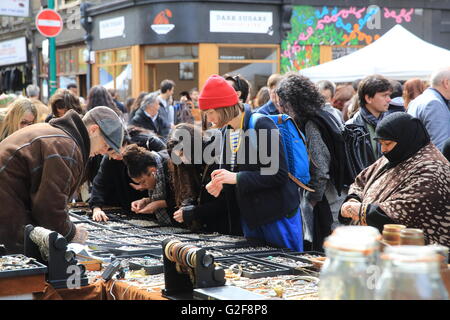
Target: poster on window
x,y
241,21
16,8
186,71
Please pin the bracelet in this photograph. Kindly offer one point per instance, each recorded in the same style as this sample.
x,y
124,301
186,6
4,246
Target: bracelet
x,y
359,214
362,214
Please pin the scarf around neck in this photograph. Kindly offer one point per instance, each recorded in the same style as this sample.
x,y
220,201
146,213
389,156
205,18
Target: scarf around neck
x,y
369,117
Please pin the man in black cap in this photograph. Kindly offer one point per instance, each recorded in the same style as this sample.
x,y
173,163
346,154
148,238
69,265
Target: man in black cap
x,y
41,168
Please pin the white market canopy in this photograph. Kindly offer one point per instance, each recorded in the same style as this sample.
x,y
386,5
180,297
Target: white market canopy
x,y
397,55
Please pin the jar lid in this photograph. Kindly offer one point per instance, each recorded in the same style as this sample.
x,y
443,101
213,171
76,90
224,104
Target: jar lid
x,y
354,238
410,254
411,232
393,227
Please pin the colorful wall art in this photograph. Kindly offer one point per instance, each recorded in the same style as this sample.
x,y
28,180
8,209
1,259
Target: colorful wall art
x,y
313,27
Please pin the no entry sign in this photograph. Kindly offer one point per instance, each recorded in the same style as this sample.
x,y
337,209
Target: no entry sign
x,y
49,23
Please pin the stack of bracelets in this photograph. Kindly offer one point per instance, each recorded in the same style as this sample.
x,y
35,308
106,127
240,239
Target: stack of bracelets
x,y
181,253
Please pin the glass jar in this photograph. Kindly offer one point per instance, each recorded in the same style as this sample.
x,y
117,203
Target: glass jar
x,y
442,252
411,237
410,273
391,233
347,273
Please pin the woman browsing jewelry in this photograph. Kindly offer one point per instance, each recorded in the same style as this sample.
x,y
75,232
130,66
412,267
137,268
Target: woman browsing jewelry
x,y
259,188
408,186
149,171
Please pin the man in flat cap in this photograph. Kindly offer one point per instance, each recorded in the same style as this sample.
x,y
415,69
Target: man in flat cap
x,y
43,165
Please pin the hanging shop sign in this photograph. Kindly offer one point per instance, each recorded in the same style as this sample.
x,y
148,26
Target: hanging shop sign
x,y
17,8
241,21
49,23
13,51
112,28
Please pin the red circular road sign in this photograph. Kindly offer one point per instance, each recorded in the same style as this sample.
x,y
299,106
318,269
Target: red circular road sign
x,y
49,23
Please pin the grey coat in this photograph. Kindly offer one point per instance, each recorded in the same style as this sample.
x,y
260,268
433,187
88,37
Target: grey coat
x,y
319,169
434,113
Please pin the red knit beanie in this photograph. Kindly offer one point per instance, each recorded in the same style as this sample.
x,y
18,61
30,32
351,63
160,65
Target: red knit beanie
x,y
217,93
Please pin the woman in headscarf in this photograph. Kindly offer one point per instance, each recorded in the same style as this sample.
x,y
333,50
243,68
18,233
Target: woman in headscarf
x,y
409,185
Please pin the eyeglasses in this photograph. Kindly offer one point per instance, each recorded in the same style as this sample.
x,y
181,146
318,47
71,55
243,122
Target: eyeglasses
x,y
26,123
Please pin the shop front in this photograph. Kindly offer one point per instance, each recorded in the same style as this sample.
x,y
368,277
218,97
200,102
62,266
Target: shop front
x,y
15,71
138,47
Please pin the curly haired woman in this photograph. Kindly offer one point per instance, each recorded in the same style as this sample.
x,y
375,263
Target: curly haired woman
x,y
300,98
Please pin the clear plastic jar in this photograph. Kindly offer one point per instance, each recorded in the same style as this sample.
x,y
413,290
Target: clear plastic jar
x,y
348,271
410,273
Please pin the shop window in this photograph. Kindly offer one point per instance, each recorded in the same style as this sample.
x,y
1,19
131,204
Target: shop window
x,y
123,55
255,64
82,65
236,53
62,4
70,61
175,62
171,52
115,71
106,57
184,74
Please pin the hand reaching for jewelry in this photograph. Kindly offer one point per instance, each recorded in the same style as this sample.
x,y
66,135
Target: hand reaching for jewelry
x,y
350,209
99,215
139,204
178,216
149,208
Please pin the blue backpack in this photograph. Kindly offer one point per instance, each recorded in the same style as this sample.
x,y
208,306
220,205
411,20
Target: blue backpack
x,y
294,147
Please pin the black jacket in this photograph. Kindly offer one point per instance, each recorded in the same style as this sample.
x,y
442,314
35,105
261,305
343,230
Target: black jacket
x,y
161,128
262,199
120,106
370,156
111,186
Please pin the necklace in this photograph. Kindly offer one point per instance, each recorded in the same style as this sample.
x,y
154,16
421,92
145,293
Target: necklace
x,y
239,139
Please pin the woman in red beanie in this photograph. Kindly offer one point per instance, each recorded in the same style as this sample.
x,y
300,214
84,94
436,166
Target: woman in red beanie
x,y
268,203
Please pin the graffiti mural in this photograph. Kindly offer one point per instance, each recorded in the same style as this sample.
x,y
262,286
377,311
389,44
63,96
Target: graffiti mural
x,y
313,27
